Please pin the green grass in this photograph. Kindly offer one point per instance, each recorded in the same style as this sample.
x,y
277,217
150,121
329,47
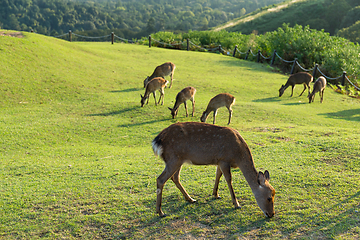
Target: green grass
x,y
76,158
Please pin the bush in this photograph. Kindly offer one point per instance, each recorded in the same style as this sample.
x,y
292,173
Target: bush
x,y
333,54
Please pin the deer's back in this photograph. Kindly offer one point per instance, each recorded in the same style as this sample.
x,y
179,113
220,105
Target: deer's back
x,y
155,84
202,143
300,77
164,69
221,100
320,84
185,94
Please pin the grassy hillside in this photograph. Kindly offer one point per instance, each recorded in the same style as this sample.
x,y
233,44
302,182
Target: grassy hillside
x,y
76,157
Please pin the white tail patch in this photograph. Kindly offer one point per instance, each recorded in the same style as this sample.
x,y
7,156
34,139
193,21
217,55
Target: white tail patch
x,y
157,148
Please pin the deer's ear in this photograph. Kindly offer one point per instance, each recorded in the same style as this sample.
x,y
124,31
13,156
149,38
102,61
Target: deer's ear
x,y
267,175
141,95
261,178
170,109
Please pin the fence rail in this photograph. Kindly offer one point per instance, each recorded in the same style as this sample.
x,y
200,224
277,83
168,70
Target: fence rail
x,y
218,48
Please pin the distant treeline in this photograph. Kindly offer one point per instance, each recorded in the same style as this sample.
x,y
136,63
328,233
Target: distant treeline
x,y
132,18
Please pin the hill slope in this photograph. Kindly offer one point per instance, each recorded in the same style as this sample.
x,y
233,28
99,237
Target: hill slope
x,y
330,15
76,158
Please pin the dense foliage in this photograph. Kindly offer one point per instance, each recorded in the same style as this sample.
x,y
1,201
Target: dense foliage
x,y
134,18
333,54
331,15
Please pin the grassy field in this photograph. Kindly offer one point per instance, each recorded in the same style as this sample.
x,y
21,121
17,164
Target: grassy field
x,y
76,158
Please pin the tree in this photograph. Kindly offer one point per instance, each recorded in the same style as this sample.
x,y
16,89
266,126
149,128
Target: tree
x,y
351,17
335,13
13,23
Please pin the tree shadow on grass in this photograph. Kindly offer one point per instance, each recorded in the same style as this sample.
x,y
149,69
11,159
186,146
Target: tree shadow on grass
x,y
338,225
349,115
270,99
295,103
113,112
126,90
144,123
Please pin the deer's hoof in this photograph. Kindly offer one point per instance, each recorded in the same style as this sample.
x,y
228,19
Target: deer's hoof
x,y
161,214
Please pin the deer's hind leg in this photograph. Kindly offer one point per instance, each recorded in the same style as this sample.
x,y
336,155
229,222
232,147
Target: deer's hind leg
x,y
171,168
162,95
304,89
176,179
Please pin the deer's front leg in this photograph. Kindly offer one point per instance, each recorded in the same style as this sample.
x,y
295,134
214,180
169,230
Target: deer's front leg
x,y
226,170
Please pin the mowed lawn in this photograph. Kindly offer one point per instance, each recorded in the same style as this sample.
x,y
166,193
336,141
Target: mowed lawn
x,y
76,158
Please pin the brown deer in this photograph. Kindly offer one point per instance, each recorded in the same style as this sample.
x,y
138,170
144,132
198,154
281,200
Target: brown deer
x,y
155,84
184,95
319,86
163,70
297,78
220,100
207,144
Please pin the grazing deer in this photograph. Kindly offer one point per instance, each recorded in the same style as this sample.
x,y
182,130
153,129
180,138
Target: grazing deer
x,y
220,100
207,144
163,70
155,84
319,86
297,78
184,95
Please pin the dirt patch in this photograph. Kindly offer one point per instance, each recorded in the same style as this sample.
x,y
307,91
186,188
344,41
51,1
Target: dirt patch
x,y
11,34
250,18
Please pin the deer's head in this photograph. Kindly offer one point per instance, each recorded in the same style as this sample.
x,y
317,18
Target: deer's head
x,y
281,90
265,194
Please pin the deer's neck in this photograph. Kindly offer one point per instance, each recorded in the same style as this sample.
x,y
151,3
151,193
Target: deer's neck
x,y
250,173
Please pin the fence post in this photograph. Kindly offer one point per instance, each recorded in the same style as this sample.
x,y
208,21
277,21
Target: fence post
x,y
273,58
343,78
247,54
70,38
234,50
293,67
258,56
149,41
315,70
219,48
112,38
187,44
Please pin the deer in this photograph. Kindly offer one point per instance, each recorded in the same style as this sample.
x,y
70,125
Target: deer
x,y
184,95
207,144
297,78
319,86
220,100
156,84
163,70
